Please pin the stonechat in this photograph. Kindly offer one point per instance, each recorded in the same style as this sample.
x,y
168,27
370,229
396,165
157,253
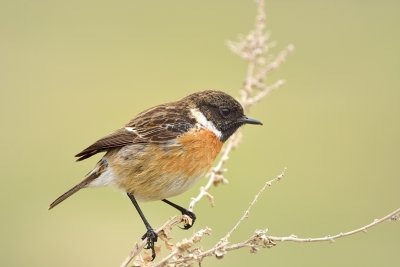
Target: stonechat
x,y
163,151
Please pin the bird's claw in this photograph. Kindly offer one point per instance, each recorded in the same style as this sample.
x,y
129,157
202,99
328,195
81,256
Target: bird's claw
x,y
188,224
151,237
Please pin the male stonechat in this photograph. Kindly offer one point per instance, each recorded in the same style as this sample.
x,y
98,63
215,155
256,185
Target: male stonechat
x,y
163,151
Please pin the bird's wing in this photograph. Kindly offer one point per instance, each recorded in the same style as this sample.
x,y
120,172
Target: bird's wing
x,y
157,125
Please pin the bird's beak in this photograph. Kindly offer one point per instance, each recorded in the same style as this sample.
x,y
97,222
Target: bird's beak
x,y
247,120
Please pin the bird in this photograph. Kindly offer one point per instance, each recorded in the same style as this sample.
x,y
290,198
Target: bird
x,y
163,151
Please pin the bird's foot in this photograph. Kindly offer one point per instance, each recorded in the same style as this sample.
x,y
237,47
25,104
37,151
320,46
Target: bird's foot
x,y
151,237
188,223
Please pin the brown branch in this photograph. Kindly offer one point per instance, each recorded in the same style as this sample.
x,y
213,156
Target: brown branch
x,y
260,239
393,216
138,247
247,211
180,256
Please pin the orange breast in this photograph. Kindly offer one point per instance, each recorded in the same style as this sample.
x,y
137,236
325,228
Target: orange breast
x,y
200,149
163,170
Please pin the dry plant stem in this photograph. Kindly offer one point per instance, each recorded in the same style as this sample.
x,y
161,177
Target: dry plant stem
x,y
261,240
293,238
167,259
138,247
222,244
183,247
247,211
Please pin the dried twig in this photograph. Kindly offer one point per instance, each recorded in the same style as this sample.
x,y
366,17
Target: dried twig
x,y
247,211
188,257
392,216
260,238
138,247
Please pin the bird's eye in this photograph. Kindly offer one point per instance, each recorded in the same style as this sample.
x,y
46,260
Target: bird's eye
x,y
225,112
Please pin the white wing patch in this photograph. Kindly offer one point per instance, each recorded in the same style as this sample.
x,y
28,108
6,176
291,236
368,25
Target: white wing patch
x,y
133,130
204,123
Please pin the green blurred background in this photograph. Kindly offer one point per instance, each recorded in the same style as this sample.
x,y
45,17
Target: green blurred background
x,y
73,71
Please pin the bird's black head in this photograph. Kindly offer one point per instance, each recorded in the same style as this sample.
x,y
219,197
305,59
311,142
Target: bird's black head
x,y
218,110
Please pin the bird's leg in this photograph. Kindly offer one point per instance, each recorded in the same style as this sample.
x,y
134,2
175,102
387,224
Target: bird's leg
x,y
151,235
184,212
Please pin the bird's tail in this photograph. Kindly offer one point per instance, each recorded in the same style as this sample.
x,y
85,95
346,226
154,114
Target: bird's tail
x,y
97,171
72,191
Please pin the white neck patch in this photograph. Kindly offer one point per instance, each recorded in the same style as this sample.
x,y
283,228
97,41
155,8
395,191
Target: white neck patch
x,y
204,123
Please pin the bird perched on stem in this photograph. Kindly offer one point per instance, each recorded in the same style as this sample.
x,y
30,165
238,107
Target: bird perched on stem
x,y
163,151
